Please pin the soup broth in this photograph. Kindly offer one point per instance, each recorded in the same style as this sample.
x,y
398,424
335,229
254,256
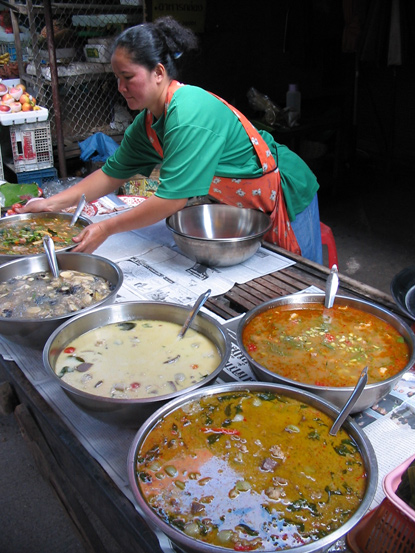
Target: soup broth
x,y
325,347
137,359
41,296
250,470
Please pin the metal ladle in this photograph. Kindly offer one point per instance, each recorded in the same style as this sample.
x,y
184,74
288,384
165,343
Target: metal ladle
x,y
49,246
344,413
78,210
332,286
195,310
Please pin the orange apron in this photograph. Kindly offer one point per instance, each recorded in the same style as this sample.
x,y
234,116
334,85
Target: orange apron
x,y
262,193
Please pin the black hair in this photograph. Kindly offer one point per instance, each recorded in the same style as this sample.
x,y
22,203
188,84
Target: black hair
x,y
165,41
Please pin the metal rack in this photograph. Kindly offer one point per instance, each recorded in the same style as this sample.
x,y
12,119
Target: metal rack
x,y
80,93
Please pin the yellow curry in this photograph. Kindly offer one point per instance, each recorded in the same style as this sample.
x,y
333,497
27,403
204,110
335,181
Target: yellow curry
x,y
250,471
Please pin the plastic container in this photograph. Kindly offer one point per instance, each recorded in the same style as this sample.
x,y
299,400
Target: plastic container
x,y
40,177
24,117
390,528
293,98
31,147
390,485
97,53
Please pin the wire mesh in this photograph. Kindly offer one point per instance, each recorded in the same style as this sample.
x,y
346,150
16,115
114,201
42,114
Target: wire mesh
x,y
87,95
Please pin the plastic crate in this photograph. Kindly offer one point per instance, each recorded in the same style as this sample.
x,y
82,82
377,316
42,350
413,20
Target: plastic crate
x,y
8,47
31,147
390,527
40,177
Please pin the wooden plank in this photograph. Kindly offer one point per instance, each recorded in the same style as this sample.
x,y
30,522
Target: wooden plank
x,y
221,308
52,473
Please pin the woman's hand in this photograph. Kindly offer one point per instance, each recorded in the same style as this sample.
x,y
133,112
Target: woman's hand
x,y
90,238
35,205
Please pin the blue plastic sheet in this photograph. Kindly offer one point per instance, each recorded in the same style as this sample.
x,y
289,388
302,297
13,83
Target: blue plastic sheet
x,y
97,147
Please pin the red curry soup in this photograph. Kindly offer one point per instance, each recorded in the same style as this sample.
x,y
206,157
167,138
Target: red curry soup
x,y
250,470
325,347
25,236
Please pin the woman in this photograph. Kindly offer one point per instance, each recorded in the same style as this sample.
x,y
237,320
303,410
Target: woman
x,y
205,147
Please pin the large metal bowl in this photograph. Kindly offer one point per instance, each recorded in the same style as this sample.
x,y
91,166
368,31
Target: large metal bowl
x,y
192,545
373,392
82,222
34,332
218,235
130,412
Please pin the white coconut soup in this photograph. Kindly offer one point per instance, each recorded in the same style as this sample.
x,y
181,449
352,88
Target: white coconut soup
x,y
137,359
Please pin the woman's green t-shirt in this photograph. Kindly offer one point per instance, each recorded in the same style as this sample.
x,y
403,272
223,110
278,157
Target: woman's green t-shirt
x,y
202,138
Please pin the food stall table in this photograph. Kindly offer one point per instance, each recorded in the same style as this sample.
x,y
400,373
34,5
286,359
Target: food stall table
x,y
72,449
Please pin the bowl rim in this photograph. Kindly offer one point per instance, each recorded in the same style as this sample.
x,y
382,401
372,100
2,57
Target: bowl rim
x,y
365,446
27,258
399,291
136,401
217,206
319,298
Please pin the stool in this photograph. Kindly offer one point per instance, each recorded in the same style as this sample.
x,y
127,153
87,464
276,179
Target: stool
x,y
327,239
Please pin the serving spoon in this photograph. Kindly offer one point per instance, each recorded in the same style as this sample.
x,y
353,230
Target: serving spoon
x,y
344,413
49,246
195,310
78,210
332,286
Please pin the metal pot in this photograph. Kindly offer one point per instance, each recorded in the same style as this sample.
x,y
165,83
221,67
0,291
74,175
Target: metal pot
x,y
29,217
218,235
373,392
130,412
192,545
34,332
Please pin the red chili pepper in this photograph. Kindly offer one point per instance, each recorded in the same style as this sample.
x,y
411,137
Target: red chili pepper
x,y
69,350
221,430
194,366
252,347
135,385
329,337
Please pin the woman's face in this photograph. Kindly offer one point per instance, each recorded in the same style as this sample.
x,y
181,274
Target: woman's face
x,y
135,82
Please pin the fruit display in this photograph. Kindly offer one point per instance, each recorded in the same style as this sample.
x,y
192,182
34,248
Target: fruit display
x,y
17,99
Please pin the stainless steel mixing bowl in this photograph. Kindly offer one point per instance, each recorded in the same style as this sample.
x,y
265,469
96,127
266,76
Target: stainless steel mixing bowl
x,y
372,393
34,332
189,544
218,235
30,217
130,412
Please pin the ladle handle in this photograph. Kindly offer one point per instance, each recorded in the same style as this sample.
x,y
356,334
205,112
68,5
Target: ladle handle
x,y
332,285
344,413
51,255
200,301
78,210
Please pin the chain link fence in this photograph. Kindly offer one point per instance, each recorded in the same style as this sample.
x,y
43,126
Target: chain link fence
x,y
84,96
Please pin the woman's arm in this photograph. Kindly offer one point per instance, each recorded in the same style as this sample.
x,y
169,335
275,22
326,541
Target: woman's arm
x,y
151,211
94,186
